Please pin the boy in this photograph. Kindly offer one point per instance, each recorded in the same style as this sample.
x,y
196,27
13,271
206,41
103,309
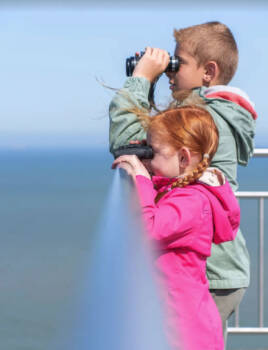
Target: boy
x,y
208,60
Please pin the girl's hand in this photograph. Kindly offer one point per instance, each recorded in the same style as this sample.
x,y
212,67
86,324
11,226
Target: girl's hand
x,y
145,162
132,165
137,142
153,63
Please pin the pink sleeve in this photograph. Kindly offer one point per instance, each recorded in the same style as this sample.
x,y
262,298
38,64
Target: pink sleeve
x,y
172,219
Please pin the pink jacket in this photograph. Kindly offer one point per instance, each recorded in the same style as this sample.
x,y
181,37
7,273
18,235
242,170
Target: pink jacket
x,y
184,223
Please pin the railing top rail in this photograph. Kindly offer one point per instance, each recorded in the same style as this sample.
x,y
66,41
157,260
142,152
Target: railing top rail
x,y
251,194
248,330
260,152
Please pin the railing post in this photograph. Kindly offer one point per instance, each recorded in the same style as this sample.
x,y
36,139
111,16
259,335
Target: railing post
x,y
261,152
237,308
261,262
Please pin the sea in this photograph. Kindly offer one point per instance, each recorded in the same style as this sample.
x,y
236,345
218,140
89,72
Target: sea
x,y
52,202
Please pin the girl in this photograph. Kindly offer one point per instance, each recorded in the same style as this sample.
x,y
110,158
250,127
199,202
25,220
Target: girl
x,y
186,206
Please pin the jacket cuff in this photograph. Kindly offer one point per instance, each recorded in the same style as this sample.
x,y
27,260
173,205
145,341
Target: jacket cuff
x,y
134,84
146,191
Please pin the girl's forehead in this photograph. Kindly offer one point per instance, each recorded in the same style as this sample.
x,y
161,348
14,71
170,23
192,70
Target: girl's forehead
x,y
149,135
153,138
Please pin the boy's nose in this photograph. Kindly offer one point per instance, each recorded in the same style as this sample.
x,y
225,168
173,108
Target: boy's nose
x,y
170,75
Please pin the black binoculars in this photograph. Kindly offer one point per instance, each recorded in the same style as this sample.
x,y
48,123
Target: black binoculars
x,y
131,62
141,151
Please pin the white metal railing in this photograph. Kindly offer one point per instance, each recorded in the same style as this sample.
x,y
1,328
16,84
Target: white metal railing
x,y
260,152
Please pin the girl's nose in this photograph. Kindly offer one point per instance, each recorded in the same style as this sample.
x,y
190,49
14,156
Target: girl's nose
x,y
147,164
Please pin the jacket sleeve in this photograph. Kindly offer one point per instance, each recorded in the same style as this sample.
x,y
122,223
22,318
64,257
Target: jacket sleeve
x,y
125,126
172,220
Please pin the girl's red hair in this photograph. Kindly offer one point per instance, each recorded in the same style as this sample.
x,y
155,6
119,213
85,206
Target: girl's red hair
x,y
190,126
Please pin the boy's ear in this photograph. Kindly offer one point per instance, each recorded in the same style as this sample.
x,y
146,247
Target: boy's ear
x,y
211,73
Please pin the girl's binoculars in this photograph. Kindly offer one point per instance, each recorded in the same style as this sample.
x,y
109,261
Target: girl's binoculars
x,y
141,151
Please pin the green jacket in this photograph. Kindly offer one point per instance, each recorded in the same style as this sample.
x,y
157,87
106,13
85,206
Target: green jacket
x,y
228,265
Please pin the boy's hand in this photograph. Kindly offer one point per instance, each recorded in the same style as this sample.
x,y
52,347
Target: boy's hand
x,y
153,63
132,165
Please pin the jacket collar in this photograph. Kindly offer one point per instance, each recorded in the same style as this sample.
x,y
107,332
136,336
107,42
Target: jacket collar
x,y
162,183
211,176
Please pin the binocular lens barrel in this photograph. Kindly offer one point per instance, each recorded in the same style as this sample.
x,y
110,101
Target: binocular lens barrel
x,y
131,62
141,151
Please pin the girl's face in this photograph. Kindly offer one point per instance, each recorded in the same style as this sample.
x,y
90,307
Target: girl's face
x,y
166,160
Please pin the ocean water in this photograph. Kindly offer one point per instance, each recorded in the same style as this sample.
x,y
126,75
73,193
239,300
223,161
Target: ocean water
x,y
50,208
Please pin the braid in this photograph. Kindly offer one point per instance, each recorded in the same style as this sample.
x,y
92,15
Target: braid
x,y
187,179
159,196
193,176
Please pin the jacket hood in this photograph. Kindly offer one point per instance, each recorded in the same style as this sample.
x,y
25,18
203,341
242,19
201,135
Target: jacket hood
x,y
224,205
235,107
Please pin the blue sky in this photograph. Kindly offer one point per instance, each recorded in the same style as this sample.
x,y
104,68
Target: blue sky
x,y
51,56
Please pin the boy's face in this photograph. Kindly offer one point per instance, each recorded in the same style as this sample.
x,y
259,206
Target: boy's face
x,y
189,75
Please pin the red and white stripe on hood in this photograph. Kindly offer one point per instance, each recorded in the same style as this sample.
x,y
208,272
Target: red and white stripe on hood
x,y
232,94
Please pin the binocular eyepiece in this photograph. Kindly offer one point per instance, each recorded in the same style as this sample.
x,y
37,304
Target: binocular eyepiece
x,y
131,62
141,151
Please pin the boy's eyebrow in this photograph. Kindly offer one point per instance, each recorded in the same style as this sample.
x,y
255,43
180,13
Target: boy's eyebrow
x,y
182,60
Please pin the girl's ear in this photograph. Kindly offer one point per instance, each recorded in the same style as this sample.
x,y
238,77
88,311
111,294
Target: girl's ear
x,y
184,157
211,73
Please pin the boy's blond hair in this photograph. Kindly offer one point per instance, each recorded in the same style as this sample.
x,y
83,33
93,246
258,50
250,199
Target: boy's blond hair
x,y
211,41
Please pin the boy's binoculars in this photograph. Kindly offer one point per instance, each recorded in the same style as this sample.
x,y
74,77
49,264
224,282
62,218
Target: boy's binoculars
x,y
131,62
141,151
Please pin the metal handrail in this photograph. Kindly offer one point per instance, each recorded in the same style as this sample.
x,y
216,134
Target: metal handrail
x,y
260,152
251,194
248,330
